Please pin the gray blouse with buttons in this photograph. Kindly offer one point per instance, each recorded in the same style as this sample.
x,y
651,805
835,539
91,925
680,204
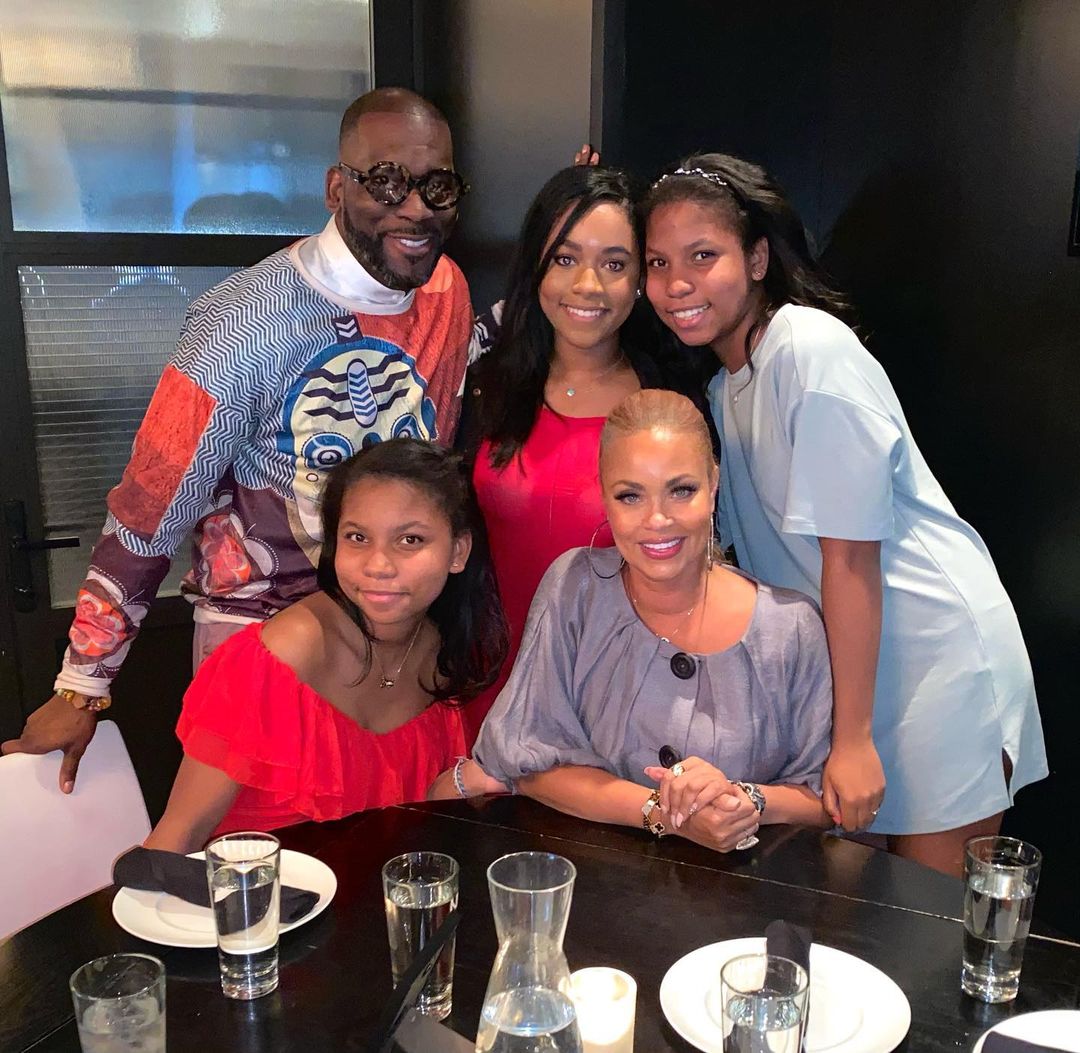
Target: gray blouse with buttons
x,y
592,685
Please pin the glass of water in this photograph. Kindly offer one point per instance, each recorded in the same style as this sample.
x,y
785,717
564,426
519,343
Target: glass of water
x,y
419,890
764,1000
120,1004
244,871
1000,878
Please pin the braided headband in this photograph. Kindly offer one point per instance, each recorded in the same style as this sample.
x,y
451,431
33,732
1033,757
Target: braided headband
x,y
712,177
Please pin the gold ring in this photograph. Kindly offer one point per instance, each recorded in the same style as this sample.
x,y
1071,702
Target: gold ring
x,y
677,769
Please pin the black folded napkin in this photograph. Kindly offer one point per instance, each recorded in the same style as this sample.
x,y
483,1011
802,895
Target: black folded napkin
x,y
156,871
998,1043
789,941
792,942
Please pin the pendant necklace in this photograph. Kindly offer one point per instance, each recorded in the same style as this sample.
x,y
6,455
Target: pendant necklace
x,y
572,391
389,681
682,624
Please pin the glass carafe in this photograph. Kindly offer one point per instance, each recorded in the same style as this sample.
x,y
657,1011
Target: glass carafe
x,y
527,1008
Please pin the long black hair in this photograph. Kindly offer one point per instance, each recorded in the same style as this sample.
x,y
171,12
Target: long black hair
x,y
510,378
753,205
472,628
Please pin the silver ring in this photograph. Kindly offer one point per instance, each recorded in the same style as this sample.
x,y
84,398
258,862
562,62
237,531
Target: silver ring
x,y
677,769
747,842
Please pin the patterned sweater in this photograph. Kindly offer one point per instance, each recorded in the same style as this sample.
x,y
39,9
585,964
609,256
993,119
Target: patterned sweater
x,y
274,381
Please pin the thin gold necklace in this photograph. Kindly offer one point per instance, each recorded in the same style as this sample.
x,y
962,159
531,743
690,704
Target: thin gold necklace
x,y
389,681
572,391
685,618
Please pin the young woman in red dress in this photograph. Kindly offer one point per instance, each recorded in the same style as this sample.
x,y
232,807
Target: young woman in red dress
x,y
349,699
571,347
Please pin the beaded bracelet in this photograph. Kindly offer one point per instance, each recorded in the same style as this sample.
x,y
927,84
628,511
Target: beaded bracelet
x,y
459,783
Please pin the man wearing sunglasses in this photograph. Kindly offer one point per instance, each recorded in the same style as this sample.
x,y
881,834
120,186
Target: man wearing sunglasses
x,y
352,336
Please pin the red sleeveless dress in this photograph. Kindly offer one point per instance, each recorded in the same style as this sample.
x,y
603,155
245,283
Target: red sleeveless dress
x,y
539,506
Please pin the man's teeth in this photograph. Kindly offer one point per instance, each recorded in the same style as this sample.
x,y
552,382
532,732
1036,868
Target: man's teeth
x,y
688,312
589,313
414,243
662,545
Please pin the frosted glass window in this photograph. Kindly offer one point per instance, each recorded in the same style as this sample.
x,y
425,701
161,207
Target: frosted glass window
x,y
97,339
186,116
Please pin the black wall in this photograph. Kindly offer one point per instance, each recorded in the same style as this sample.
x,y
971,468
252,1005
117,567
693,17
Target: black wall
x,y
931,149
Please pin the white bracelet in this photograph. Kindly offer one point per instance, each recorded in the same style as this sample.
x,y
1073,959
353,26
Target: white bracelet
x,y
459,783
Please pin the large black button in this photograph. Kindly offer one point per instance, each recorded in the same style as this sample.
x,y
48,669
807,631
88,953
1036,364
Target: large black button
x,y
683,666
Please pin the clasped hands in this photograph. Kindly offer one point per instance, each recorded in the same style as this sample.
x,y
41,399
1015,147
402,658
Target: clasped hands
x,y
703,805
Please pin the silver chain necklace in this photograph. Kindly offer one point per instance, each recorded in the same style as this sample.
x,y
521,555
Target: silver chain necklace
x,y
390,681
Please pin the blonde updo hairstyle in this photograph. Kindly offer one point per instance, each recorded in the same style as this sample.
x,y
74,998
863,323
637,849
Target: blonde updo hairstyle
x,y
663,410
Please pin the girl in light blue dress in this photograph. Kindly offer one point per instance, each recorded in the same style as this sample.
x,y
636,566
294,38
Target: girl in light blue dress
x,y
823,490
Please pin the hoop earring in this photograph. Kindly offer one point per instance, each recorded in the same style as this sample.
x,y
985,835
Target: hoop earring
x,y
589,552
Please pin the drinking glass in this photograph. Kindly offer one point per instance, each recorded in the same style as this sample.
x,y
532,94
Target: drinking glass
x,y
244,871
120,1004
764,1000
1000,878
419,890
606,1002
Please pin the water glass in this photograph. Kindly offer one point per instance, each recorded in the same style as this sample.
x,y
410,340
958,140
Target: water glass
x,y
419,890
1000,878
244,871
764,1000
606,1003
120,1004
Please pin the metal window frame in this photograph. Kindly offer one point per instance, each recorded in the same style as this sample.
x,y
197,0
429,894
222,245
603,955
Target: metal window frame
x,y
394,60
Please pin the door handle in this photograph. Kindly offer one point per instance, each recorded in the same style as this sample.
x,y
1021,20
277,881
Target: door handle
x,y
24,596
21,544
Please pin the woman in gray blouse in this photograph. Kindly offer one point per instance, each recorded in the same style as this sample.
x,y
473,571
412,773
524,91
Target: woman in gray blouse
x,y
653,643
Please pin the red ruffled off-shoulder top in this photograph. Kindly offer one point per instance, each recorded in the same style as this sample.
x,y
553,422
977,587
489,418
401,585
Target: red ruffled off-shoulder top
x,y
296,756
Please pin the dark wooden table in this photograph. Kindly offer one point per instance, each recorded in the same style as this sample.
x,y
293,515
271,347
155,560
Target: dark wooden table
x,y
638,904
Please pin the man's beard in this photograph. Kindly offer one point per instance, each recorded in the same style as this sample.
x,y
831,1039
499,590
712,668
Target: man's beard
x,y
370,254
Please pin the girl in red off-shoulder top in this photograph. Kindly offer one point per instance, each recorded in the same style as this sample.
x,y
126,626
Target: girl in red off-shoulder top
x,y
349,699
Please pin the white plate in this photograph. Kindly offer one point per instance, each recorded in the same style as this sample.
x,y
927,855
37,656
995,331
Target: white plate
x,y
161,918
1057,1028
854,1008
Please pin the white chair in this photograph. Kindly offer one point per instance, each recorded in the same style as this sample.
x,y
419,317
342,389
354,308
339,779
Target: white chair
x,y
55,847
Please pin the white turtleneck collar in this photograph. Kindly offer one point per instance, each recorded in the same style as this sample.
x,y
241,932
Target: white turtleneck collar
x,y
325,262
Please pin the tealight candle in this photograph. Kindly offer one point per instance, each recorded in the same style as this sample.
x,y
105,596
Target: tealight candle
x,y
605,1000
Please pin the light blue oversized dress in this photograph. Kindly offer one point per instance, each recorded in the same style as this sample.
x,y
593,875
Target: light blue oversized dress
x,y
815,444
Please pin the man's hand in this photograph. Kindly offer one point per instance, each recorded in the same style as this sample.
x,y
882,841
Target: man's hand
x,y
853,784
587,155
57,725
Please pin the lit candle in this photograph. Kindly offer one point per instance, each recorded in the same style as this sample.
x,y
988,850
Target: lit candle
x,y
605,1000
